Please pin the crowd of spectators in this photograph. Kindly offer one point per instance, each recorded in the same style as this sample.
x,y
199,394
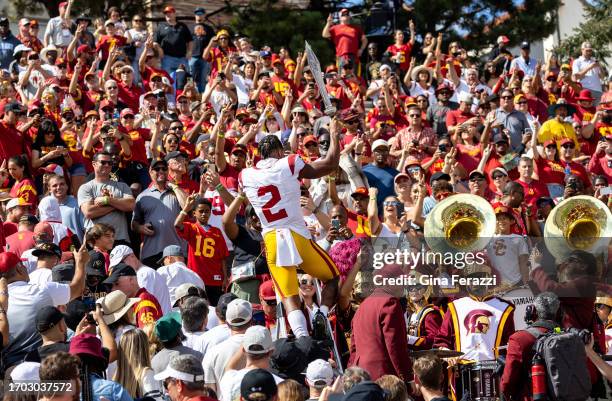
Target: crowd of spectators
x,y
130,254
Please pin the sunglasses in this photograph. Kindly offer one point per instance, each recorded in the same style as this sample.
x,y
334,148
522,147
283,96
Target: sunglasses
x,y
414,116
391,203
498,176
568,146
477,179
506,97
128,117
413,170
306,282
158,169
156,79
521,102
105,162
271,302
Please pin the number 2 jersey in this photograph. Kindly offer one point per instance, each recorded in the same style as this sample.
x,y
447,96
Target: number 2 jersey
x,y
273,188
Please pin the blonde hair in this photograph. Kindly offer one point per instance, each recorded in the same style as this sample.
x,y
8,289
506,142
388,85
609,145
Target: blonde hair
x,y
133,360
290,390
154,344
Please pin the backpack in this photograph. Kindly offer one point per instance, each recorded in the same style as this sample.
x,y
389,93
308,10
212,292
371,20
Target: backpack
x,y
565,360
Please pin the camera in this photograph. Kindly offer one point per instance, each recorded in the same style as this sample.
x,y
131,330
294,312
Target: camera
x,y
222,75
442,147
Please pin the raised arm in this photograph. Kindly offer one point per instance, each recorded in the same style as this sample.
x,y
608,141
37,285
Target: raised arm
x,y
229,217
373,211
326,29
77,285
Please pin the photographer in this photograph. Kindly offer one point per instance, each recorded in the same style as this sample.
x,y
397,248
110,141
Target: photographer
x,y
515,381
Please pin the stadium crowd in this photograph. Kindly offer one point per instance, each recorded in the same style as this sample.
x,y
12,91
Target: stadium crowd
x,y
164,191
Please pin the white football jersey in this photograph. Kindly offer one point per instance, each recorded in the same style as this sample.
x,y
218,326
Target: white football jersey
x,y
273,188
216,214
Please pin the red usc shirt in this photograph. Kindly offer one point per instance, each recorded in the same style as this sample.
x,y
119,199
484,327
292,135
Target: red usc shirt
x,y
359,225
534,190
147,310
346,38
139,136
404,52
206,253
217,59
108,43
283,85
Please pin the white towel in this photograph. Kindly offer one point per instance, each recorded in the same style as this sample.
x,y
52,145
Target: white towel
x,y
286,251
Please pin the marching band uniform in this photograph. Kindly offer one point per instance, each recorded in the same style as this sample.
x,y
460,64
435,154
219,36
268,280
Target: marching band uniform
x,y
478,326
424,325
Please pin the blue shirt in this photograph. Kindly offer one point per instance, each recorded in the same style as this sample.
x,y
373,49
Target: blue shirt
x,y
381,178
7,45
72,216
111,390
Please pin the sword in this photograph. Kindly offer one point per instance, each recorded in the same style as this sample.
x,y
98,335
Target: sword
x,y
315,67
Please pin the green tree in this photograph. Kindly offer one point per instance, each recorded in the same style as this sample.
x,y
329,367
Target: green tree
x,y
92,8
267,22
597,29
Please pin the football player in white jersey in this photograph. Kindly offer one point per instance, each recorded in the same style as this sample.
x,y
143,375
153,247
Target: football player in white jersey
x,y
273,188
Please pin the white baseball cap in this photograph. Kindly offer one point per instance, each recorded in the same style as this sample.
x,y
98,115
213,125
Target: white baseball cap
x,y
26,371
378,143
16,202
465,97
239,312
257,340
118,254
319,373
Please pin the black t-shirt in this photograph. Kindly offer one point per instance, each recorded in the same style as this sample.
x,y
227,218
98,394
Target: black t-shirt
x,y
173,39
200,42
247,248
44,351
44,149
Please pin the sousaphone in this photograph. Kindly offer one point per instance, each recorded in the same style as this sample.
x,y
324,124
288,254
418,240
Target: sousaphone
x,y
578,223
460,223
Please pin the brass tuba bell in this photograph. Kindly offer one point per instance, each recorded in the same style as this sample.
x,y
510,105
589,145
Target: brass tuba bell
x,y
461,222
578,223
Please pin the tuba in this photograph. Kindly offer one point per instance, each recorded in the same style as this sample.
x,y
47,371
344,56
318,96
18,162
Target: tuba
x,y
578,223
461,222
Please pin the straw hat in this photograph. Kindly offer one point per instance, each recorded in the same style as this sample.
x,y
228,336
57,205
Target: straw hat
x,y
115,305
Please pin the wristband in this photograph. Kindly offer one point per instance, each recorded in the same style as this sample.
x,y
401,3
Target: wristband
x,y
221,135
219,187
372,198
330,178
